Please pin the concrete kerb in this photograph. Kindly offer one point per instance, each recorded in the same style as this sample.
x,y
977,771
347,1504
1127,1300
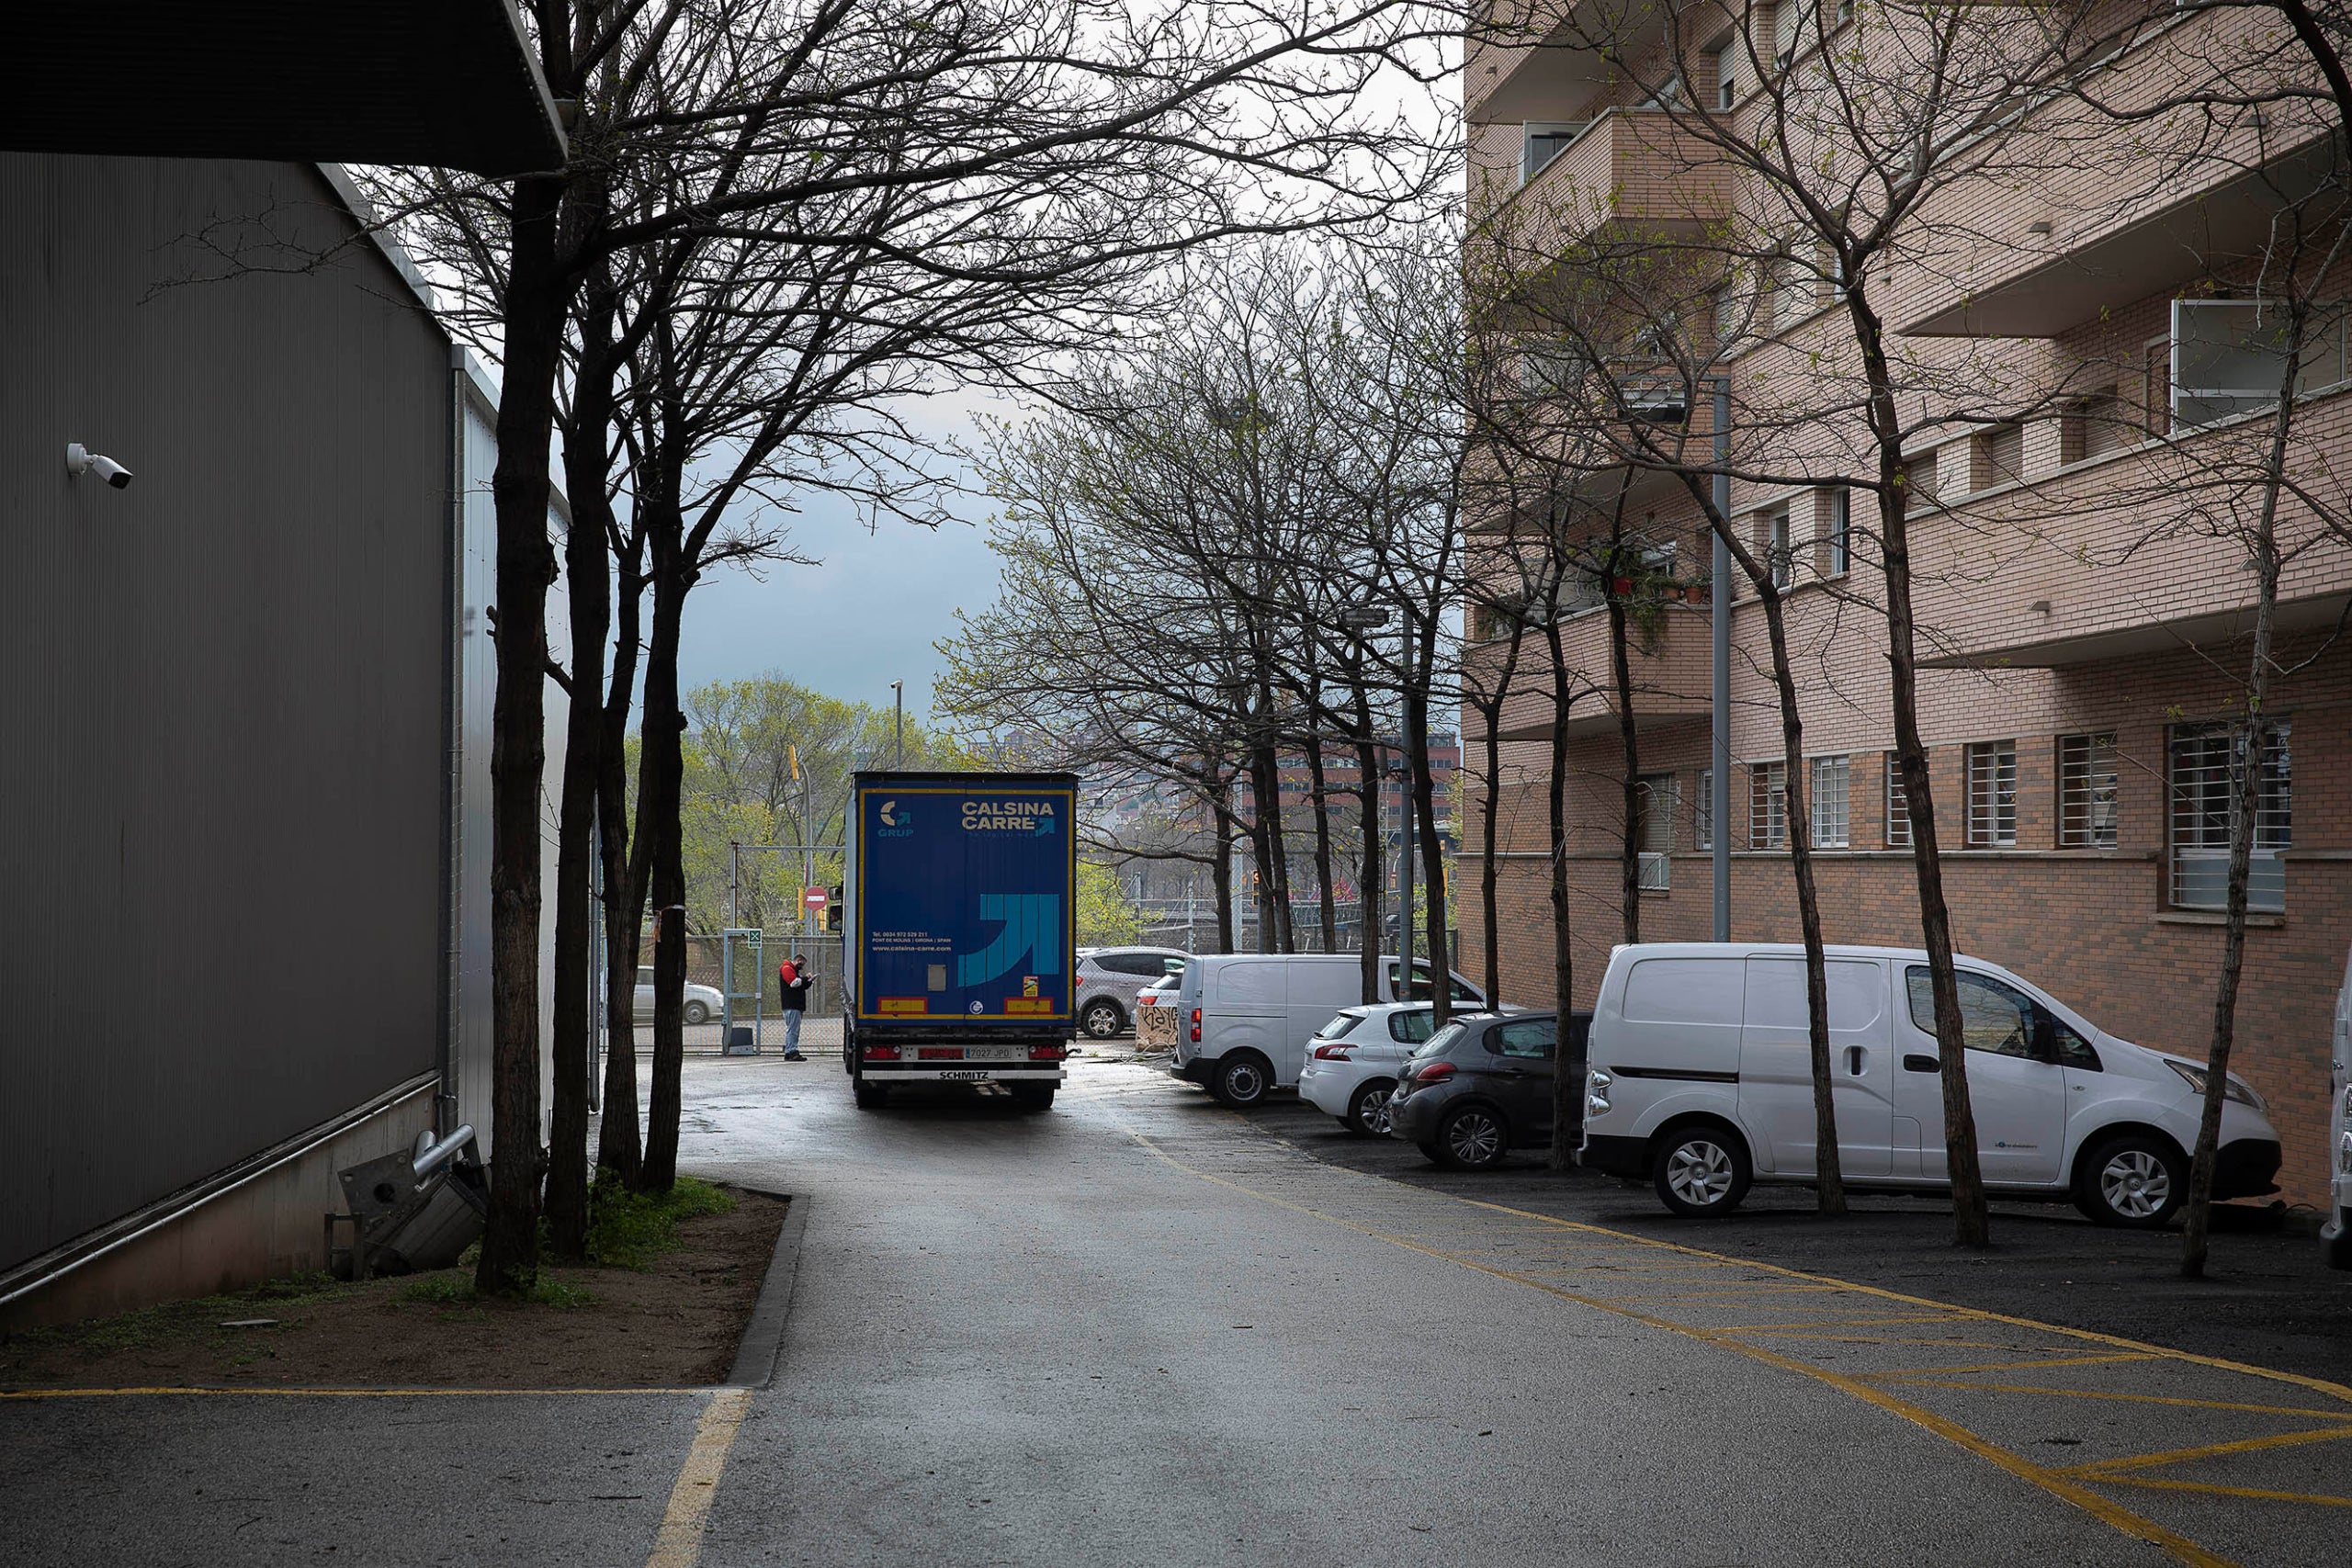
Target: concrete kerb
x,y
762,1341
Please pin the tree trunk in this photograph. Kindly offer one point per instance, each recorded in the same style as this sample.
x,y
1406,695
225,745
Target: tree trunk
x,y
1629,869
587,561
1424,822
2245,802
1327,904
619,1146
1371,875
1829,1176
1221,873
1490,712
533,325
1565,1107
660,786
1971,1226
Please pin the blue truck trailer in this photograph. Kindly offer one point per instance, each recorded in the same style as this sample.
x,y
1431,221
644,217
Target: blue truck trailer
x,y
959,898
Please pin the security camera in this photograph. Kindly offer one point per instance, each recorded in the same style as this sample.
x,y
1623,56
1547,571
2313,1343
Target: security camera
x,y
80,460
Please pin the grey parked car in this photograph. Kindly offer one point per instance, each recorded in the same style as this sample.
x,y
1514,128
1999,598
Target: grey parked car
x,y
702,1003
1482,1086
1108,979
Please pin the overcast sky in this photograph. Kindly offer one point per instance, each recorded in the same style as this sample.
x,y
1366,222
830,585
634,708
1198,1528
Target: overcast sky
x,y
848,627
868,613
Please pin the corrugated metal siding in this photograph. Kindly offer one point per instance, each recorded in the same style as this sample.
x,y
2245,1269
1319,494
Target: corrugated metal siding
x,y
221,691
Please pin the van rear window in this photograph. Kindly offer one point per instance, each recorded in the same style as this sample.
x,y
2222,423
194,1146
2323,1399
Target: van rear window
x,y
1685,990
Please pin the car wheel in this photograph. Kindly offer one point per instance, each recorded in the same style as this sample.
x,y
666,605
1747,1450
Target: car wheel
x,y
1472,1138
1368,1111
1241,1080
2135,1180
869,1096
697,1013
1102,1019
1701,1170
1033,1096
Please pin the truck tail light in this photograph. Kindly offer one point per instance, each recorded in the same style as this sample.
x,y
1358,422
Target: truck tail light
x,y
1331,1053
1045,1052
1196,1026
881,1052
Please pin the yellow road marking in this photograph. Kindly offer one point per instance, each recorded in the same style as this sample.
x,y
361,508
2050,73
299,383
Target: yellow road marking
x,y
1908,1374
332,1393
1957,1314
2106,1511
2159,1483
2345,1415
678,1543
2106,1469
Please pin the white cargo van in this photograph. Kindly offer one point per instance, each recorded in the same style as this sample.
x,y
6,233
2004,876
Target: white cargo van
x,y
1244,1019
1699,1080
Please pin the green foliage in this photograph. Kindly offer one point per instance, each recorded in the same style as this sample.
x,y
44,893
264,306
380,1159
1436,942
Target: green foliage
x,y
745,742
629,1230
1105,917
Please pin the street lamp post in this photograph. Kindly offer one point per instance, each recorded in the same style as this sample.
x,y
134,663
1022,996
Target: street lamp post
x,y
1719,616
899,720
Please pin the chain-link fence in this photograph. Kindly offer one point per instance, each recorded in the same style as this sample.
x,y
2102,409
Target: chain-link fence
x,y
706,985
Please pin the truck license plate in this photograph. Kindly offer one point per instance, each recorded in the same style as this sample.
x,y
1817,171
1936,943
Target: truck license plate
x,y
958,1075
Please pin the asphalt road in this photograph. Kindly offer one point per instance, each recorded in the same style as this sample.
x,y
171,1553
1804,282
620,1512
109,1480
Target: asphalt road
x,y
1138,1329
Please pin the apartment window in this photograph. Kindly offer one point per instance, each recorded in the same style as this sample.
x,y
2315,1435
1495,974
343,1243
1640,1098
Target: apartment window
x,y
2227,356
1767,806
1992,795
2003,448
1792,27
1829,783
1727,313
1898,805
1777,554
1655,833
2204,760
1702,816
1792,292
1725,59
2098,427
1837,533
1540,143
2087,779
1919,479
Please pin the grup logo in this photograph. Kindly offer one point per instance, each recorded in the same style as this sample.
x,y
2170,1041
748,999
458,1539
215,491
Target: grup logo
x,y
896,823
889,808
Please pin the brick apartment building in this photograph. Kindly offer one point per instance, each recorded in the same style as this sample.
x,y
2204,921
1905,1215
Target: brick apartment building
x,y
2085,640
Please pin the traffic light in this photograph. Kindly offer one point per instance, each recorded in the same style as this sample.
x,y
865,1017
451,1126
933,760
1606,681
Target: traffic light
x,y
830,921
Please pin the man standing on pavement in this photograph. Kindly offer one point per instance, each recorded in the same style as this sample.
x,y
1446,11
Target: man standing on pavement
x,y
792,979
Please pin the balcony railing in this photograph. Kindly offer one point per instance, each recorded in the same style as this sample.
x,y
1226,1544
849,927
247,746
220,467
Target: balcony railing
x,y
1628,173
1669,654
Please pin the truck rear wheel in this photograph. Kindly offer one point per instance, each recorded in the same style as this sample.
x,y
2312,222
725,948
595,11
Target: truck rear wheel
x,y
869,1096
1031,1096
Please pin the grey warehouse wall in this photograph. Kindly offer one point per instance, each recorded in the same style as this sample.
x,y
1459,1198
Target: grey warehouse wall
x,y
221,690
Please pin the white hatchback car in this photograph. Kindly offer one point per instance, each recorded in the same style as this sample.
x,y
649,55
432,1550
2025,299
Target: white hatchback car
x,y
1352,1063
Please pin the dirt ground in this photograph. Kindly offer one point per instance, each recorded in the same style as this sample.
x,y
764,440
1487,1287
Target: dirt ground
x,y
674,1325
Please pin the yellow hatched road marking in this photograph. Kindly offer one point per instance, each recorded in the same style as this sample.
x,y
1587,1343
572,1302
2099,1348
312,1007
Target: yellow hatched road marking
x,y
1910,1373
2345,1415
2159,1483
2107,1512
2107,1468
678,1543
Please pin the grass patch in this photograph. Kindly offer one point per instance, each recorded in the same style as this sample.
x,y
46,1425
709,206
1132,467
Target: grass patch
x,y
150,1326
629,1230
457,1290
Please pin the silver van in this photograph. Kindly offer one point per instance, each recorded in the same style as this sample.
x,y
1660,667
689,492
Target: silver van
x,y
1243,1020
1699,1080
